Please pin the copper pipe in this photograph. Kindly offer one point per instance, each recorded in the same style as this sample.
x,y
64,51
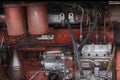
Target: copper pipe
x,y
37,18
110,62
15,19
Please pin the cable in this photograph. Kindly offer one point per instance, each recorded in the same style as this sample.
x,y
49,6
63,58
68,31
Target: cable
x,y
74,43
75,47
40,44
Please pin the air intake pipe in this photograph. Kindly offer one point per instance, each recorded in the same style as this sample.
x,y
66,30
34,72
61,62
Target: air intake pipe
x,y
15,19
37,18
20,15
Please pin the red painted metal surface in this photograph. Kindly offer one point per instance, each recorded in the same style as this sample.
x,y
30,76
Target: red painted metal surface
x,y
31,64
15,19
61,37
118,63
37,18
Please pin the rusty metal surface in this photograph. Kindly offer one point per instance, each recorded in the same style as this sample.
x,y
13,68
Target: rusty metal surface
x,y
15,19
37,18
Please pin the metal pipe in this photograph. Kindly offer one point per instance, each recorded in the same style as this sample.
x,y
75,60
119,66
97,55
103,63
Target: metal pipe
x,y
91,31
81,20
110,62
37,18
15,19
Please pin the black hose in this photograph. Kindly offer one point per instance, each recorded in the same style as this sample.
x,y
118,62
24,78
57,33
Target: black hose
x,y
74,45
40,44
91,31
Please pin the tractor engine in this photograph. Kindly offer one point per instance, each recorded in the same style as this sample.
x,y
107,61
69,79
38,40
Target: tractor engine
x,y
59,40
